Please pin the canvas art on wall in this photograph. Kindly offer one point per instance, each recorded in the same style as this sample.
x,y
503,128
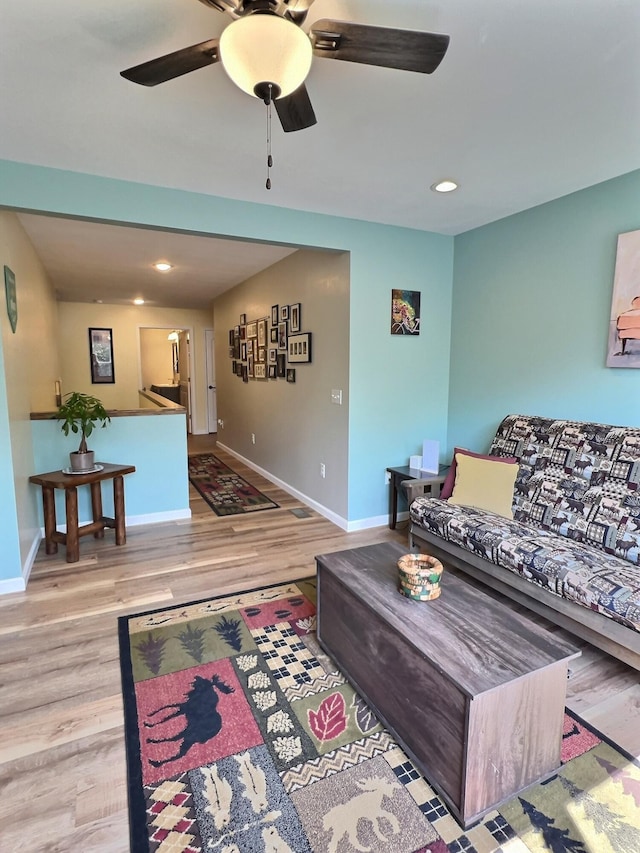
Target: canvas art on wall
x,y
624,327
405,312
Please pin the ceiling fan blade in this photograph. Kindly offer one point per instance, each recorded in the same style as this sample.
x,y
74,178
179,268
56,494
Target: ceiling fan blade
x,y
174,64
296,10
407,50
230,6
295,111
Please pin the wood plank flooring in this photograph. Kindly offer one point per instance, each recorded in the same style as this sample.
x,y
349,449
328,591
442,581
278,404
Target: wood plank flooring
x,y
62,761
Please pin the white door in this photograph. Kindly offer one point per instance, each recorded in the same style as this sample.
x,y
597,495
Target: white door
x,y
212,404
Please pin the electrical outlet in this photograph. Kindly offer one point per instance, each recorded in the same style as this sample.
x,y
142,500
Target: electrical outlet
x,y
336,396
253,438
323,470
221,423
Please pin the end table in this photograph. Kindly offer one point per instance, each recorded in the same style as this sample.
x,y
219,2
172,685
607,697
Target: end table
x,y
69,482
404,472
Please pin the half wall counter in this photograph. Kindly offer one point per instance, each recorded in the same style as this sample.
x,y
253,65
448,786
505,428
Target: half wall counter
x,y
154,440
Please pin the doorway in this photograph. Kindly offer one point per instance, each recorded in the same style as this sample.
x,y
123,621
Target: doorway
x,y
165,364
212,400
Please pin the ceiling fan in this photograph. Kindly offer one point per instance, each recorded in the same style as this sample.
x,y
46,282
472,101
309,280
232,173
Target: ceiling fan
x,y
267,54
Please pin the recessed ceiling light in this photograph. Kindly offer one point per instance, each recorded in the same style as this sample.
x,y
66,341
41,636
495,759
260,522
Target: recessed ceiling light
x,y
138,301
446,186
163,266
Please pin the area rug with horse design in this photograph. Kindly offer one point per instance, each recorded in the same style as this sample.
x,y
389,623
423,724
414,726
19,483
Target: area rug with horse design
x,y
226,492
243,736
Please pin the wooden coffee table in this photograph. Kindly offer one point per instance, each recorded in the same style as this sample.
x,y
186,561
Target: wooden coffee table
x,y
473,691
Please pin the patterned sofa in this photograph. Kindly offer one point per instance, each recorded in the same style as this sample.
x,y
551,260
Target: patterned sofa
x,y
572,550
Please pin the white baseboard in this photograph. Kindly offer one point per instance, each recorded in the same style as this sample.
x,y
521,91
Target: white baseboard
x,y
31,556
136,520
20,584
12,585
158,517
342,523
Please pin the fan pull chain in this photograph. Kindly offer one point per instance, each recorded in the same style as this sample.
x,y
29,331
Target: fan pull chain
x,y
269,157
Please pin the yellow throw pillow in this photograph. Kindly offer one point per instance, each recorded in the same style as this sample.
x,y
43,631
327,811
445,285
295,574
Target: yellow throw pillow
x,y
484,483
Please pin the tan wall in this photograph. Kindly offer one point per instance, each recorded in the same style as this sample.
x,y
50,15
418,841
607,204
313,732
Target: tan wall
x,y
30,361
125,321
296,425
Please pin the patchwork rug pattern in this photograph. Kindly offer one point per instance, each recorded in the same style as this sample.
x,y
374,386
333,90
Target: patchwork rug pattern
x,y
244,737
226,492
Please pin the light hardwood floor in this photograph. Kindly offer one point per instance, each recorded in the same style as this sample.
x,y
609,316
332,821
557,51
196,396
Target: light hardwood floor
x,y
62,760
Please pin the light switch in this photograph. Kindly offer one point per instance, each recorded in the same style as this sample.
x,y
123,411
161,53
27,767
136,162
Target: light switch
x,y
336,396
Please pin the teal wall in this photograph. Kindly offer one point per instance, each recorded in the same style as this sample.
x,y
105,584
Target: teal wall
x,y
531,309
398,387
10,564
159,484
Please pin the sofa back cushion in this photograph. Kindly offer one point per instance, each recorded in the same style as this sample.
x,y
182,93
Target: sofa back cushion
x,y
579,479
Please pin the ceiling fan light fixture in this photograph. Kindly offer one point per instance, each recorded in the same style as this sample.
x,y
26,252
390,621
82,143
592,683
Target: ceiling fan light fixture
x,y
445,186
163,266
265,48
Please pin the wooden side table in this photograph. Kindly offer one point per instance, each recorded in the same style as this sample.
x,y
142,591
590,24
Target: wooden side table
x,y
404,472
70,482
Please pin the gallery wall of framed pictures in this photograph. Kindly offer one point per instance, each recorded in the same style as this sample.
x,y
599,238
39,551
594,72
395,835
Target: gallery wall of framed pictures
x,y
265,348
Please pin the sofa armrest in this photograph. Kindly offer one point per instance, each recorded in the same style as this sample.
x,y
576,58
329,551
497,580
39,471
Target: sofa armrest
x,y
416,488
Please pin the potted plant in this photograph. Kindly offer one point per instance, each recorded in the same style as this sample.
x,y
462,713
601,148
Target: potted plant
x,y
80,413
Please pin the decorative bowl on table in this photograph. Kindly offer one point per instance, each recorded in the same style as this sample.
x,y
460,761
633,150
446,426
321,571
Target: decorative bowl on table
x,y
419,576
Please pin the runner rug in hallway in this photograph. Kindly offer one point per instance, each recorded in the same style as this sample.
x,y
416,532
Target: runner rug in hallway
x,y
226,492
244,737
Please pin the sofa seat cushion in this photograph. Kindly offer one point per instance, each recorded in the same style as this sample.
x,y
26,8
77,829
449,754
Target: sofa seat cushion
x,y
567,568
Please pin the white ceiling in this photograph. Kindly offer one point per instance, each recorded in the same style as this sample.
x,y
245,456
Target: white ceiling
x,y
534,99
88,261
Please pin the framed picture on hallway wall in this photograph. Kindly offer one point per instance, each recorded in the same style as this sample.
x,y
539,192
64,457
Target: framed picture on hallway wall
x,y
294,318
624,324
101,354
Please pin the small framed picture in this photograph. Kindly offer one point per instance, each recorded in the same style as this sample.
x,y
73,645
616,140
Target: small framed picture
x,y
273,355
282,335
243,333
231,351
299,348
282,365
262,332
291,374
284,312
243,351
252,330
231,337
260,371
236,332
234,366
245,373
250,364
295,318
262,355
243,319
273,335
101,353
275,315
273,371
